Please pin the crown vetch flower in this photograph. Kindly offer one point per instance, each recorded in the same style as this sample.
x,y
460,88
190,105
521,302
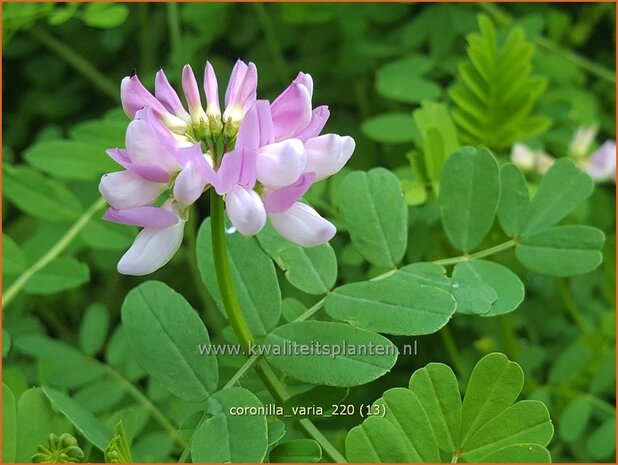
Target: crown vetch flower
x,y
317,158
273,153
195,124
154,163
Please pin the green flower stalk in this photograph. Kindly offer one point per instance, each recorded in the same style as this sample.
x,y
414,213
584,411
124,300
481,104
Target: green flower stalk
x,y
118,449
63,449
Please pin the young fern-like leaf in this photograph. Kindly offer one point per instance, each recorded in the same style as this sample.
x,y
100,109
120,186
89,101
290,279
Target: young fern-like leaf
x,y
118,449
496,94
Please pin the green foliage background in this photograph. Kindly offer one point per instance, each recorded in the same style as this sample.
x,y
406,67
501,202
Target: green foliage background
x,y
373,64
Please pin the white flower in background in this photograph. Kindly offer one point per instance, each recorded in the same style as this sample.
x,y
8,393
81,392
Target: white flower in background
x,y
530,160
582,141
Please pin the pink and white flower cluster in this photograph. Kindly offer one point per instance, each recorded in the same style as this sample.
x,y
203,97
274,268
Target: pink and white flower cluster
x,y
600,165
261,156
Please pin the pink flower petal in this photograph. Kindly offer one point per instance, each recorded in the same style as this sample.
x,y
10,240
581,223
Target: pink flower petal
x,y
238,73
282,199
238,167
256,129
601,165
319,117
148,142
152,248
135,96
192,94
212,92
241,91
291,110
145,217
166,94
150,172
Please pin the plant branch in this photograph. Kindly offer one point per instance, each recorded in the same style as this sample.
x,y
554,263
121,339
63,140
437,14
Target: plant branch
x,y
224,275
57,249
148,405
214,317
78,62
173,23
272,41
483,253
451,348
571,306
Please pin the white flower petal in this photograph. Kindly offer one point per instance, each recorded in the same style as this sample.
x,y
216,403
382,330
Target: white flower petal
x,y
123,189
327,154
245,210
302,225
152,249
189,184
281,164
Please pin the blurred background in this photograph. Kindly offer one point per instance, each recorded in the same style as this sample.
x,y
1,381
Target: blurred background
x,y
373,64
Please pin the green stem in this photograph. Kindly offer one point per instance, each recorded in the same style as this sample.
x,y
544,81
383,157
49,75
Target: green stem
x,y
78,62
173,23
224,276
272,41
591,398
451,348
312,311
57,249
148,405
256,357
146,44
242,371
483,253
240,326
509,338
214,317
571,307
